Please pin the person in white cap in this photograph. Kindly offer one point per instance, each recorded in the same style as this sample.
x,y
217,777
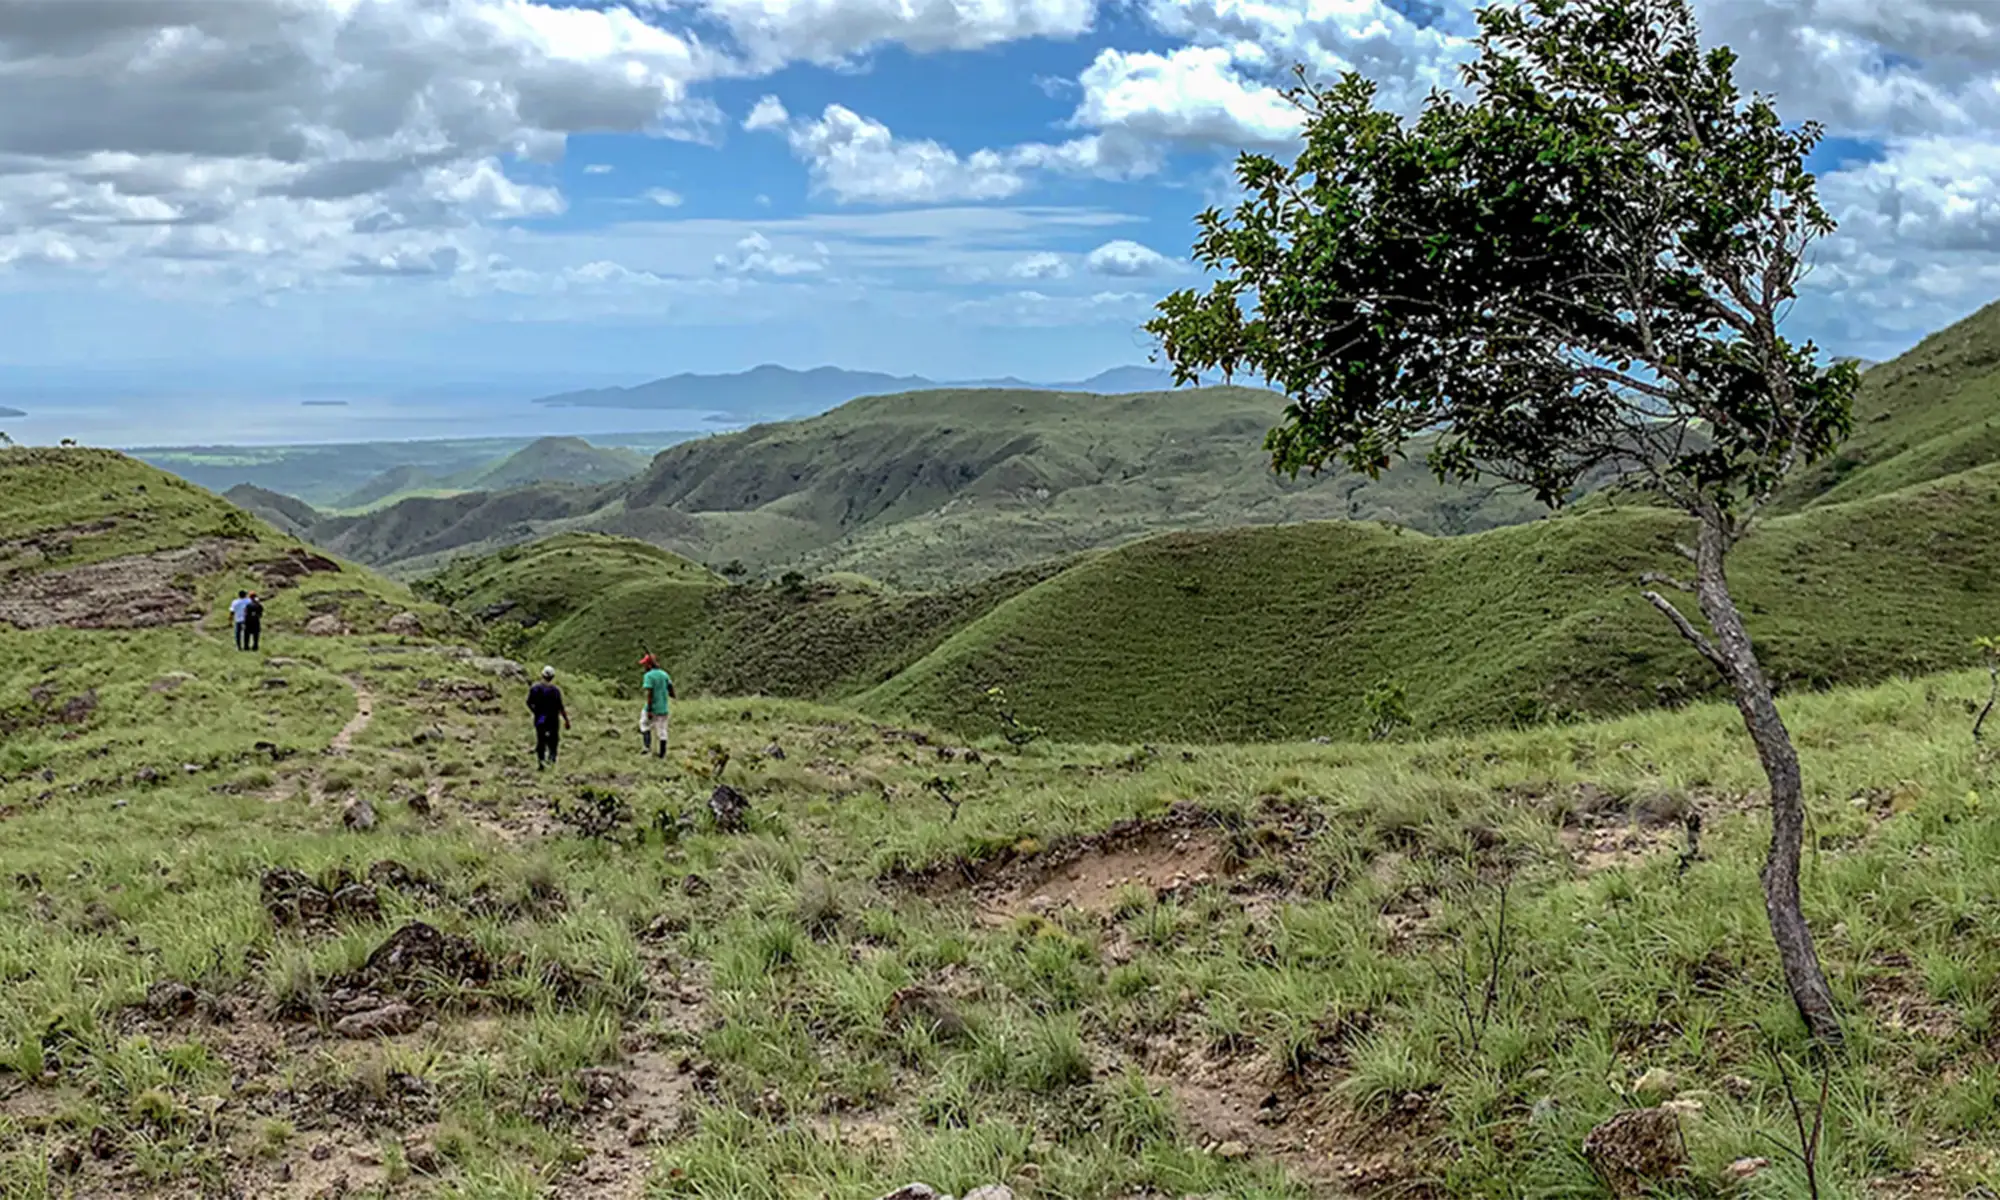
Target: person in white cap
x,y
545,701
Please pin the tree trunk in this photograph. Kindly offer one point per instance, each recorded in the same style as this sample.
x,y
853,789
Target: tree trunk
x,y
1738,662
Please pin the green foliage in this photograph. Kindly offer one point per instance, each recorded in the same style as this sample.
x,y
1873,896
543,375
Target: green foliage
x,y
1388,709
1661,216
1013,730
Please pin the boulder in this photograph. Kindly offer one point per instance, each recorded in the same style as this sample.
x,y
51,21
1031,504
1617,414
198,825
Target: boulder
x,y
325,625
916,1191
359,815
405,624
505,668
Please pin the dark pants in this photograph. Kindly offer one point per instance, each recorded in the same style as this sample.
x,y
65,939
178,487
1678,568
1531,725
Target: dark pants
x,y
548,740
239,635
252,635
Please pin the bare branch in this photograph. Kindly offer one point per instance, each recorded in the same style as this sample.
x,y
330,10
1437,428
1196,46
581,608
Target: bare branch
x,y
1652,577
1694,636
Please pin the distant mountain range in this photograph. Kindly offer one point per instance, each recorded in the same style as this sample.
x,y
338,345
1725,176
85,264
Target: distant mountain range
x,y
11,412
772,392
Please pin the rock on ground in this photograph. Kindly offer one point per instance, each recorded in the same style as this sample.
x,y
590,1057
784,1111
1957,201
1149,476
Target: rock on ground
x,y
359,815
325,625
730,808
1638,1149
406,624
386,1021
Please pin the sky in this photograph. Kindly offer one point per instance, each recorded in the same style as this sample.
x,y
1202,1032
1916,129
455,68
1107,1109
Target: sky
x,y
365,197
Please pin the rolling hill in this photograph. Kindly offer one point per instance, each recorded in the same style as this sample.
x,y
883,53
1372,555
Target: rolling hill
x,y
1272,633
936,488
287,514
92,539
555,460
1931,412
392,484
327,476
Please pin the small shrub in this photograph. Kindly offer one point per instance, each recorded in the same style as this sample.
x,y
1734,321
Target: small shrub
x,y
1016,731
1388,709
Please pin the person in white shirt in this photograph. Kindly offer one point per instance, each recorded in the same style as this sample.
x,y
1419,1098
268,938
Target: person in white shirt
x,y
236,614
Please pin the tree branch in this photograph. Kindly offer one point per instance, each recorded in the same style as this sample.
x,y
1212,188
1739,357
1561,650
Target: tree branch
x,y
1694,636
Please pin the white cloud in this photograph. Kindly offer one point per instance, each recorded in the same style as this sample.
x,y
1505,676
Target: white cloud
x,y
1330,37
768,113
1033,309
773,32
310,136
1127,259
859,160
664,197
598,169
755,255
1192,95
1043,265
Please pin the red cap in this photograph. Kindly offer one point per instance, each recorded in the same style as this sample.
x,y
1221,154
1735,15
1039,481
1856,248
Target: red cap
x,y
649,661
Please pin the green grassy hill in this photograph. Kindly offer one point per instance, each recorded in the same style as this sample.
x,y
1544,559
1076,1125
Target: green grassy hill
x,y
934,488
1930,413
410,531
1273,634
94,539
555,460
393,484
284,513
1278,633
596,603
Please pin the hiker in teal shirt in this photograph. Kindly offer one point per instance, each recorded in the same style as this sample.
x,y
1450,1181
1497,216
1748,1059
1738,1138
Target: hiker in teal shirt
x,y
659,696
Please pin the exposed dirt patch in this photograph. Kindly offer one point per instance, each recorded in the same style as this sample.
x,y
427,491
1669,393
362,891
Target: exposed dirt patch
x,y
1894,992
139,591
293,565
1241,1107
639,1105
364,714
1162,861
1187,847
1606,830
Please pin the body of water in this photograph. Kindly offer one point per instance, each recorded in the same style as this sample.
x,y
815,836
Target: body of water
x,y
218,420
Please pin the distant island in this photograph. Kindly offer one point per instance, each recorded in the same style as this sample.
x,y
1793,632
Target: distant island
x,y
323,403
772,392
11,412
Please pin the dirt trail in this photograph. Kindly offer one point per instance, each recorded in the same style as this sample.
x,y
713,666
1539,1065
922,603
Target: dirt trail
x,y
364,712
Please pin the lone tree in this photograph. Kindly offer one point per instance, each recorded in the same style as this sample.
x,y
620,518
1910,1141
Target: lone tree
x,y
1577,267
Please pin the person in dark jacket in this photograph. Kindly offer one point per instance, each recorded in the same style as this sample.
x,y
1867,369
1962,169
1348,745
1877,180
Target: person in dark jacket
x,y
253,623
545,700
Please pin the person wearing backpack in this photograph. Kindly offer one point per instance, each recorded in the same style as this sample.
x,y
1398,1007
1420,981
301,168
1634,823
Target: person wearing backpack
x,y
253,622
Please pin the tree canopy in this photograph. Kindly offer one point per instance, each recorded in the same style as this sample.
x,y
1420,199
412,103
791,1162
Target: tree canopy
x,y
1579,263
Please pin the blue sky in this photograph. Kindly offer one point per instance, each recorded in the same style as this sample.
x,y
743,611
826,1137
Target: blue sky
x,y
521,196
